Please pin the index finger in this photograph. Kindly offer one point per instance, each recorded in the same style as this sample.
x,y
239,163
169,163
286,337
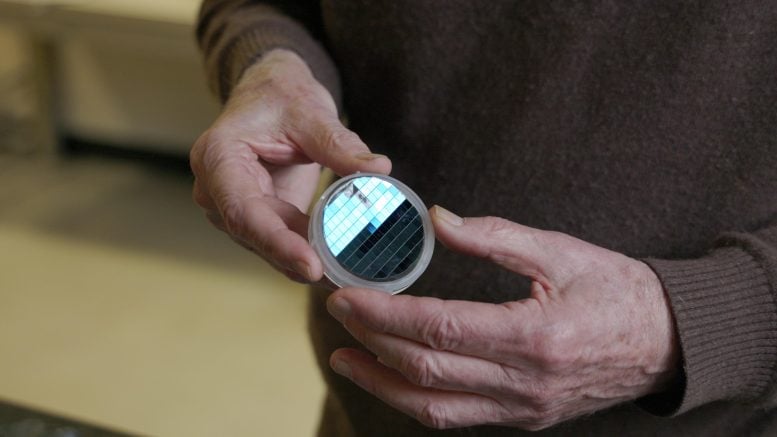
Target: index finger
x,y
472,328
274,228
326,141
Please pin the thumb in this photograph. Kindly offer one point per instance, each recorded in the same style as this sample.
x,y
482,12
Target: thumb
x,y
527,251
325,140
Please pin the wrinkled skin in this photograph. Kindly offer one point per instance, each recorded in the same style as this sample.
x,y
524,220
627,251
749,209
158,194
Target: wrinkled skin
x,y
596,331
258,165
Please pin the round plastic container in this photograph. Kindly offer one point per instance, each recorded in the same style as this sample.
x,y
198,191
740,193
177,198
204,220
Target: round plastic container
x,y
365,230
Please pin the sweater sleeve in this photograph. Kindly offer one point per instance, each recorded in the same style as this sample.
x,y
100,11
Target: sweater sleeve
x,y
233,34
725,309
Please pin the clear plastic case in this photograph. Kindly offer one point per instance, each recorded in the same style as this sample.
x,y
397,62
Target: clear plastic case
x,y
366,232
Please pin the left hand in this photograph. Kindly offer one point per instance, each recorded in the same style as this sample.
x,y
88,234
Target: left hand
x,y
596,331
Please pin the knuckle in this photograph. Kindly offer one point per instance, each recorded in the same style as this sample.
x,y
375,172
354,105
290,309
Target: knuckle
x,y
496,225
202,152
508,380
233,222
541,403
337,138
442,332
195,154
195,160
422,370
234,218
496,229
550,352
541,415
233,213
199,196
433,414
213,156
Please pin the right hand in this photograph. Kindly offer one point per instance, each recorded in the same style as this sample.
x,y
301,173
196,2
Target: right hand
x,y
257,167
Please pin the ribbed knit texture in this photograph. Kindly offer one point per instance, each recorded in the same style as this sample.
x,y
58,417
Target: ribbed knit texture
x,y
252,30
646,127
727,319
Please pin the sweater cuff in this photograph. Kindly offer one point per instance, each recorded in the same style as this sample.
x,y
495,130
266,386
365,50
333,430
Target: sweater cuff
x,y
726,320
242,46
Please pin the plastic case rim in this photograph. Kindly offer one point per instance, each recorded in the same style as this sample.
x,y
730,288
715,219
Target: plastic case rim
x,y
341,277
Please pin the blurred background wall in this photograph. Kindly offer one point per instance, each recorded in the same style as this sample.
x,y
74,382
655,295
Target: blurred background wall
x,y
114,71
119,306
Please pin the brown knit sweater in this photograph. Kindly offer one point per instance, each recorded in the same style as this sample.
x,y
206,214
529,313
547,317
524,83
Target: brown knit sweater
x,y
647,127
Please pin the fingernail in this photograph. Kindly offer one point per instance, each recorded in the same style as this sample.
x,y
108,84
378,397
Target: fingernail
x,y
303,269
367,156
447,216
342,368
339,309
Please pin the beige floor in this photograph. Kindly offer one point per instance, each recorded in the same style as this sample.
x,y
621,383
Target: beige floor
x,y
119,305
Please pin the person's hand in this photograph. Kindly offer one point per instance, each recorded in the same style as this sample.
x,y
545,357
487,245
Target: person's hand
x,y
596,331
257,166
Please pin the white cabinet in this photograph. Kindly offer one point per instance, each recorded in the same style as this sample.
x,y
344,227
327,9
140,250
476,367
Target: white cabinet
x,y
123,73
